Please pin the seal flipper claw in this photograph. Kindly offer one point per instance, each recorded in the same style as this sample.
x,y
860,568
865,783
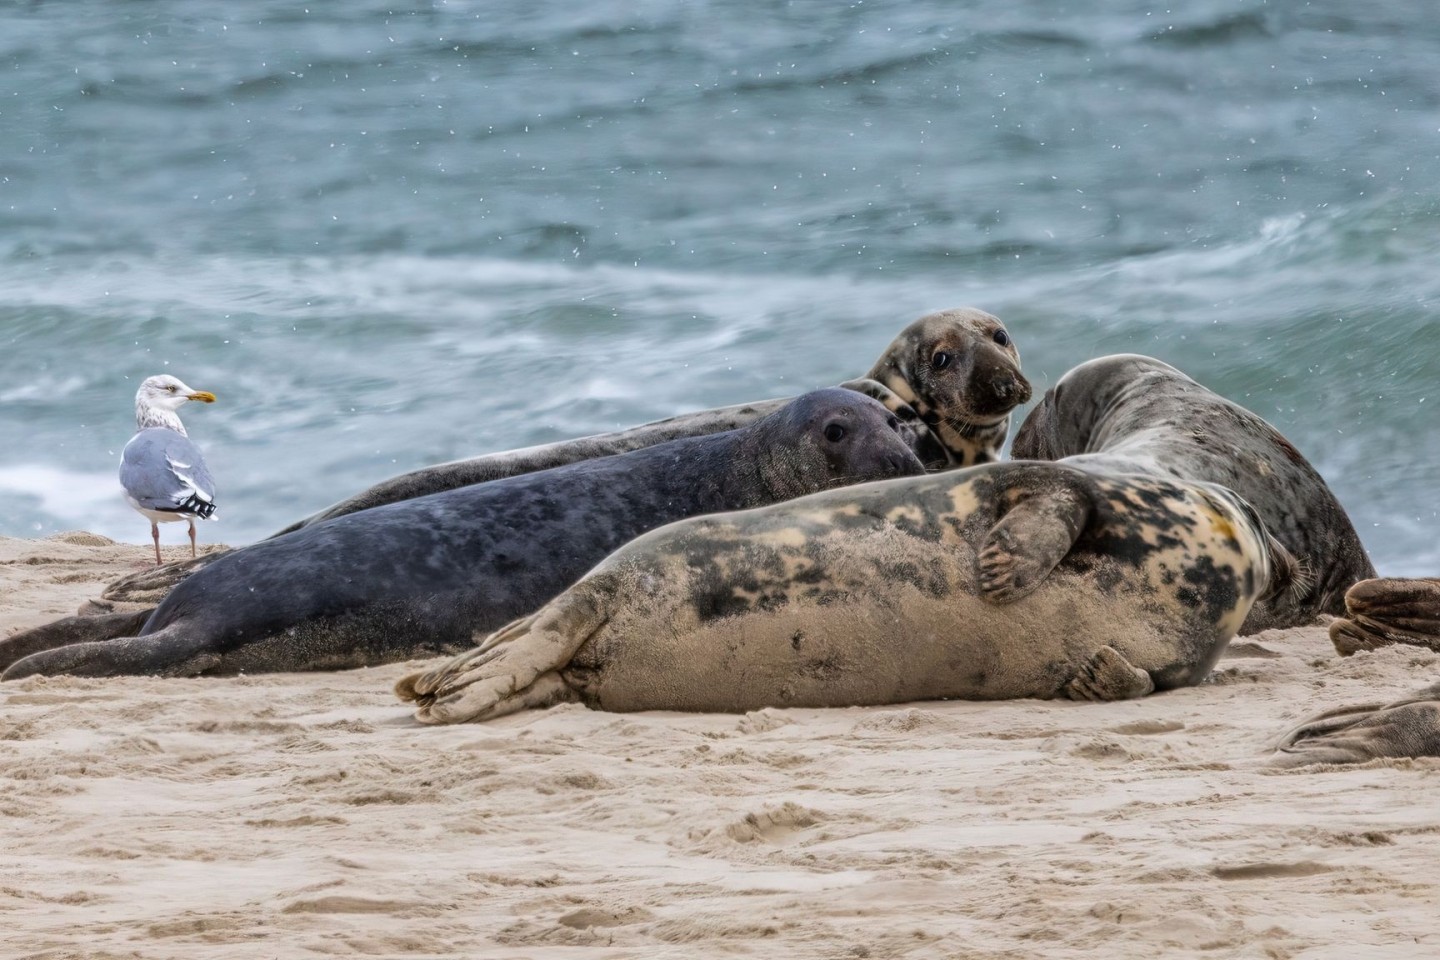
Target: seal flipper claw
x,y
1389,610
505,667
1029,541
1108,676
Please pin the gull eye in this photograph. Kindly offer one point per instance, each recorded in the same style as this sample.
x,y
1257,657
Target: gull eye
x,y
1002,338
940,361
834,433
171,388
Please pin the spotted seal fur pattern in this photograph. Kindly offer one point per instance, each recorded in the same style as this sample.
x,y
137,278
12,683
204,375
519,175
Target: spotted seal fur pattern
x,y
1130,413
423,576
1001,581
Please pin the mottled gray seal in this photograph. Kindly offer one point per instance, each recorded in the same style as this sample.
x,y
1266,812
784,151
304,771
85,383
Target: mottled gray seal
x,y
1130,413
428,575
1001,581
1405,728
953,377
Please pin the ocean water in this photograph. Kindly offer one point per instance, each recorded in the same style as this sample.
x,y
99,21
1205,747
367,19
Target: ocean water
x,y
387,238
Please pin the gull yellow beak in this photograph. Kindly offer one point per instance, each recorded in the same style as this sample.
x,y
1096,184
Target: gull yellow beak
x,y
204,396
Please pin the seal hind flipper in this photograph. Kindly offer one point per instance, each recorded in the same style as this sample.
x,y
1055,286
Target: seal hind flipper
x,y
69,631
162,653
1030,540
1108,676
1388,610
512,666
1357,734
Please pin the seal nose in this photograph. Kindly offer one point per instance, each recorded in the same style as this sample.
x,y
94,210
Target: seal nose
x,y
1011,388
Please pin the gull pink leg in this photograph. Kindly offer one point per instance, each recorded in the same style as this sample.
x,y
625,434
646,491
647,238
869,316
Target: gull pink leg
x,y
155,535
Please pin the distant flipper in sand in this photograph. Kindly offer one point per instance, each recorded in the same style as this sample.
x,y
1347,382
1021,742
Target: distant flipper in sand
x,y
1406,728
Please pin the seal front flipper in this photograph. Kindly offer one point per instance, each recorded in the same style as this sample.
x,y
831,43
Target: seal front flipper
x,y
1031,539
161,653
1388,610
1408,728
499,675
1109,676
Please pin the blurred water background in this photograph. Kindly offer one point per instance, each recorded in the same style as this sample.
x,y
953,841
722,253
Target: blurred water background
x,y
388,238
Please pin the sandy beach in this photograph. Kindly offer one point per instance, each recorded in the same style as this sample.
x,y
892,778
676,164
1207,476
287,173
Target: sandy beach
x,y
307,815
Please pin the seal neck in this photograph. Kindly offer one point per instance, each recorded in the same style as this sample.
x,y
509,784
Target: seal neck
x,y
941,443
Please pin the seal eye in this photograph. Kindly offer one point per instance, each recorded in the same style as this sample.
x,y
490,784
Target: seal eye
x,y
940,361
834,433
1002,338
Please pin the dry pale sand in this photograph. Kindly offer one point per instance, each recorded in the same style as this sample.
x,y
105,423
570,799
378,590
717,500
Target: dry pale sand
x,y
302,815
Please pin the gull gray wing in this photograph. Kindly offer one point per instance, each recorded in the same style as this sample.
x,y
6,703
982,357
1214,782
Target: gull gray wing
x,y
162,470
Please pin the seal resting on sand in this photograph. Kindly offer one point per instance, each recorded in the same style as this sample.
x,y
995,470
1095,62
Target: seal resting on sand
x,y
1001,581
425,576
1129,413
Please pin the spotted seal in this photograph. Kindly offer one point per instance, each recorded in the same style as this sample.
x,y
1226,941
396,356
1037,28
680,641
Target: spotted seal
x,y
1001,581
1129,413
425,575
953,377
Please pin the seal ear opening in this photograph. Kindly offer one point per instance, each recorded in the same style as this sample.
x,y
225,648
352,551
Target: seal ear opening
x,y
1031,539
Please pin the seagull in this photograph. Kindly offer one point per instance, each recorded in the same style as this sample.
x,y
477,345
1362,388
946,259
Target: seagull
x,y
164,476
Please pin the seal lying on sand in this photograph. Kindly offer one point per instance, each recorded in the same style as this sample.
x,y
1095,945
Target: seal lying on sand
x,y
1406,728
424,576
1128,413
1006,580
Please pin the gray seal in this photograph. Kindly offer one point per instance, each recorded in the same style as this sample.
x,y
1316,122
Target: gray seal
x,y
953,377
429,575
1001,581
1129,413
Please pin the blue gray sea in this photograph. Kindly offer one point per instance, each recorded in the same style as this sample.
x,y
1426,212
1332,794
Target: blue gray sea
x,y
391,235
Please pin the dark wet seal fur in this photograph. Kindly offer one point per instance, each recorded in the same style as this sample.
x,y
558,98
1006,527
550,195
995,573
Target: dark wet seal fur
x,y
952,377
1131,413
429,575
1001,581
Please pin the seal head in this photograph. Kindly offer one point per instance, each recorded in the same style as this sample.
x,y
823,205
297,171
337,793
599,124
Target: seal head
x,y
959,370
